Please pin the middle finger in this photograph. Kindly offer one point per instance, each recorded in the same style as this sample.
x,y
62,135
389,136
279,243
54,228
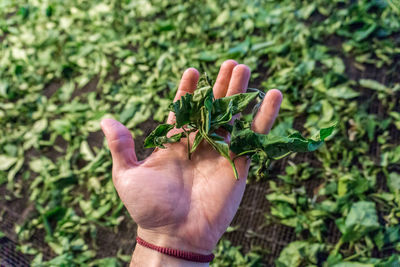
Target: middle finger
x,y
239,81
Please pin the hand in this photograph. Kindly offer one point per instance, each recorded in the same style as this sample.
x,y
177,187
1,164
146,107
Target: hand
x,y
181,203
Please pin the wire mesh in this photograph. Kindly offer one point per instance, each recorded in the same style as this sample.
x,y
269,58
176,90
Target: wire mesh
x,y
9,257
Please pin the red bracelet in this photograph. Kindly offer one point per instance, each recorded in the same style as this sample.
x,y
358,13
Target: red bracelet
x,y
189,256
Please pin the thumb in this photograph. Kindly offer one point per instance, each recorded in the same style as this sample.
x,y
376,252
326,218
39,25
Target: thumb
x,y
120,142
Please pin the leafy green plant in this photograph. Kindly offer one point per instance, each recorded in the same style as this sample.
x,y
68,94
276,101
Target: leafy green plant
x,y
202,114
227,255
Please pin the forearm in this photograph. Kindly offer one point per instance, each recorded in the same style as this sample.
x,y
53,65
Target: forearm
x,y
145,257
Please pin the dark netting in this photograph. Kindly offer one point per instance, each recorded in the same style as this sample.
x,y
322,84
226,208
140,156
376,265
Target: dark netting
x,y
8,253
253,230
9,256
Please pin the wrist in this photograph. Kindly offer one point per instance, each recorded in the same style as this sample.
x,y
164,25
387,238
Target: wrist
x,y
144,256
161,239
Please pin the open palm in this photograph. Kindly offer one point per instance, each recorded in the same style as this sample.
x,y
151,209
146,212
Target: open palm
x,y
177,202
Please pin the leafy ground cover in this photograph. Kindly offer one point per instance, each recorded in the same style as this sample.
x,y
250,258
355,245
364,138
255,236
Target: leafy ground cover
x,y
67,64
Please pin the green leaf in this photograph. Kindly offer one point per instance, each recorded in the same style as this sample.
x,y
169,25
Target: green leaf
x,y
228,255
364,32
239,102
183,110
208,56
326,132
392,261
158,137
7,162
14,170
244,139
206,113
222,148
188,108
353,264
361,220
86,152
105,262
299,252
342,92
197,141
221,115
240,49
40,125
388,237
393,182
374,85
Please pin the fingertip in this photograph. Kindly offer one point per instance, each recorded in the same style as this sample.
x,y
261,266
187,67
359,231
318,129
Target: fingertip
x,y
189,80
105,122
188,83
229,64
239,81
192,72
113,129
275,97
223,79
120,142
268,112
242,70
275,93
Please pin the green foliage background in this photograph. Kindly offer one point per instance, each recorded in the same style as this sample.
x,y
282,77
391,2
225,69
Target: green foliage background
x,y
67,64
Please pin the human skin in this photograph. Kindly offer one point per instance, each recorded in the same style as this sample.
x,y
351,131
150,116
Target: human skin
x,y
176,202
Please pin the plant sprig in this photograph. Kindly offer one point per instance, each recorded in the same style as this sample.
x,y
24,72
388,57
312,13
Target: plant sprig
x,y
202,114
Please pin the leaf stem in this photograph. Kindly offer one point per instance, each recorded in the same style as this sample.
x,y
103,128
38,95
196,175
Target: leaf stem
x,y
244,153
260,93
213,144
338,245
187,133
355,255
267,163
